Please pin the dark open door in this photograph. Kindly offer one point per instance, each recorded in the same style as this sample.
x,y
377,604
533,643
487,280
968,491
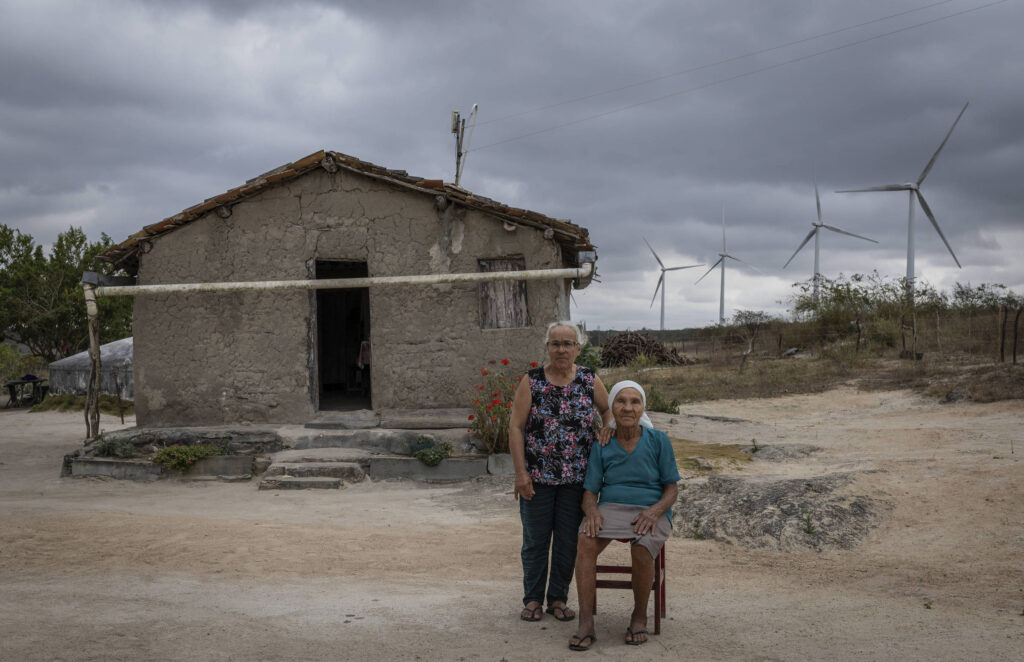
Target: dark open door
x,y
343,334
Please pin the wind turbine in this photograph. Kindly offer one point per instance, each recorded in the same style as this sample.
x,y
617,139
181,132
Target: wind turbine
x,y
816,233
721,261
915,190
661,280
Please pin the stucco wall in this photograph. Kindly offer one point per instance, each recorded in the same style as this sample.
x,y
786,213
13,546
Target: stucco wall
x,y
227,358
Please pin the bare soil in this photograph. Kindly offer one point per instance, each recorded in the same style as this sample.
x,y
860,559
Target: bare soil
x,y
105,570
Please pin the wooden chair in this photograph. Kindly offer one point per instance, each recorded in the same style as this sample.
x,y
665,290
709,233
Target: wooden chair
x,y
658,590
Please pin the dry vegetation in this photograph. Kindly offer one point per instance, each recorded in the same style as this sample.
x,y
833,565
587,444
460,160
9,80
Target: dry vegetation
x,y
951,377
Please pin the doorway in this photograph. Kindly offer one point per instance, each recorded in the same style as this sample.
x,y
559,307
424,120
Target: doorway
x,y
343,335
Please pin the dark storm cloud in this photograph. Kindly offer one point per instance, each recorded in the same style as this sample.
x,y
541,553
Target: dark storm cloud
x,y
133,111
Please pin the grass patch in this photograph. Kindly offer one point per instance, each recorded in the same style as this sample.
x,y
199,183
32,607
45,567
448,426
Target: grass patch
x,y
68,402
979,379
687,448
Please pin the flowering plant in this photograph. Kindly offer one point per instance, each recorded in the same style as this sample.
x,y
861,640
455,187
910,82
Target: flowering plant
x,y
492,404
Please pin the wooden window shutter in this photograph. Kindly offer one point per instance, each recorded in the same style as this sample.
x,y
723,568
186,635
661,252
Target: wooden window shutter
x,y
503,302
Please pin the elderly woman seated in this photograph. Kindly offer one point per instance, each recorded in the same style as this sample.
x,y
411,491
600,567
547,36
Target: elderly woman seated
x,y
636,476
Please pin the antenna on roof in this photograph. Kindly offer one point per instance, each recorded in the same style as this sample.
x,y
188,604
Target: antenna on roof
x,y
462,146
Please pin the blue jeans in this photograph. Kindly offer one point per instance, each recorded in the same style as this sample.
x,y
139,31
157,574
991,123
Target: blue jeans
x,y
551,521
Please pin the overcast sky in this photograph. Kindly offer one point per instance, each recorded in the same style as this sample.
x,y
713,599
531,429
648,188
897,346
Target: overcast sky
x,y
114,115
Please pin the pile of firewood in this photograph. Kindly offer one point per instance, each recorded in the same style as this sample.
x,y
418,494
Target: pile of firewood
x,y
624,348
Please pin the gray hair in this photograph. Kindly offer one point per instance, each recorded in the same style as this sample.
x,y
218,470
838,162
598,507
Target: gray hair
x,y
581,336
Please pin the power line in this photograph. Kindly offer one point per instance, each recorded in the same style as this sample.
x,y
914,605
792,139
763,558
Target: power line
x,y
738,76
710,64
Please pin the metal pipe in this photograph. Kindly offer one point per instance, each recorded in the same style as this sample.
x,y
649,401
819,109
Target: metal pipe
x,y
584,271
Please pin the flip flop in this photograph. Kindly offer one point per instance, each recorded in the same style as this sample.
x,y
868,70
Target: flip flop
x,y
567,614
578,646
532,615
633,635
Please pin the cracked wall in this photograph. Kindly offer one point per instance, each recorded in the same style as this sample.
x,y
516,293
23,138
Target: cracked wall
x,y
250,357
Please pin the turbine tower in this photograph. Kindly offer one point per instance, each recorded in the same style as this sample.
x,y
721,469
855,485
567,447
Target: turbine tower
x,y
914,189
721,261
816,233
661,281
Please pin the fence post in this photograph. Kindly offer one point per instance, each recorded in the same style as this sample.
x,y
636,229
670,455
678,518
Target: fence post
x,y
1002,334
1016,323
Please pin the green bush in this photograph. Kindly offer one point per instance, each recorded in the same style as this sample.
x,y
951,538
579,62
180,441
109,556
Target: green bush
x,y
115,448
589,357
658,402
432,456
181,458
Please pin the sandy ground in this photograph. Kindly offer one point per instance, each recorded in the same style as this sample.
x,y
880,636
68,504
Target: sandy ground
x,y
106,570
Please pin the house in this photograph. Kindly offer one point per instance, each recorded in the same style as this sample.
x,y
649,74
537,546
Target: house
x,y
71,374
285,356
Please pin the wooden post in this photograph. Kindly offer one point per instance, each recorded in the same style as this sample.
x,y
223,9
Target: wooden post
x,y
1003,334
1016,324
92,398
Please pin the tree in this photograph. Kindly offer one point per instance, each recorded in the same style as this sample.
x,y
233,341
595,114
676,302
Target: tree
x,y
748,323
41,301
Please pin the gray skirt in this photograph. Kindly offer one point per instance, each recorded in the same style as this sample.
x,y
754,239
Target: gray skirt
x,y
617,524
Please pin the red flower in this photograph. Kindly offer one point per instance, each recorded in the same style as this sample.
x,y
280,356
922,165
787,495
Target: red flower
x,y
519,378
533,364
497,393
489,407
483,372
480,387
494,418
505,362
471,417
495,401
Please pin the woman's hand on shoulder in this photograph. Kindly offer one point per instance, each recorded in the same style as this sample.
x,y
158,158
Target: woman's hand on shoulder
x,y
605,434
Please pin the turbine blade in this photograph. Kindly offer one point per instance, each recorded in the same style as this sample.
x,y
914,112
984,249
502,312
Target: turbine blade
x,y
709,270
802,244
657,287
817,199
887,187
653,253
834,229
935,224
928,168
689,266
746,263
723,227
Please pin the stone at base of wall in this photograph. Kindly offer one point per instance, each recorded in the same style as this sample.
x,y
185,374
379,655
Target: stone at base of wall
x,y
142,470
226,467
500,464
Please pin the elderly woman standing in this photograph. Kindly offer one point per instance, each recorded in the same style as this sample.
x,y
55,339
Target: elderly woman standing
x,y
636,477
551,431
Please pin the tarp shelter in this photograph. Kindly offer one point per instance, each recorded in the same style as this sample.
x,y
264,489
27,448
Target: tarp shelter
x,y
71,374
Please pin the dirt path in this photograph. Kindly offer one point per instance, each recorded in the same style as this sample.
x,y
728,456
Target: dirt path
x,y
108,570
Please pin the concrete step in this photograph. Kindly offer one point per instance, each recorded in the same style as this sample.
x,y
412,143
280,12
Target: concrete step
x,y
380,440
300,483
452,469
357,455
425,419
345,420
352,472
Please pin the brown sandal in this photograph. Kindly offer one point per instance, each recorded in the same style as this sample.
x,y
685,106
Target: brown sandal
x,y
532,614
563,612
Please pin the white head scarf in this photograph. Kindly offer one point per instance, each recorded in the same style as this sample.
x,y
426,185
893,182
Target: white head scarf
x,y
645,420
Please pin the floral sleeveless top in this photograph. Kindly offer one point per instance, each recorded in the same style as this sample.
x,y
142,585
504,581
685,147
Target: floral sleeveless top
x,y
559,430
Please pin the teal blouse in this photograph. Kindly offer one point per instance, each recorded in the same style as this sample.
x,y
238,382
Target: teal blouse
x,y
637,478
